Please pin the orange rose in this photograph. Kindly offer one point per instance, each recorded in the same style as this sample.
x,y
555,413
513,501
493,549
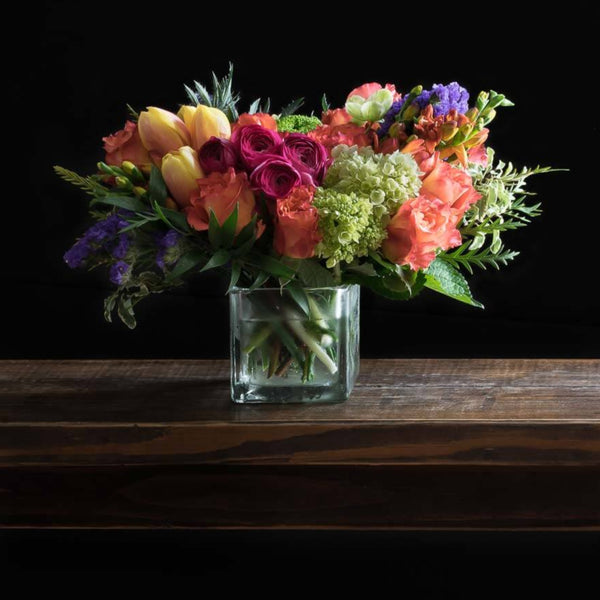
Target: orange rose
x,y
337,116
221,193
296,224
126,145
418,229
452,185
262,119
349,134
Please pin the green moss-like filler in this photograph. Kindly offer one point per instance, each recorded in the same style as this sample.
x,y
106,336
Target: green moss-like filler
x,y
349,225
297,123
387,180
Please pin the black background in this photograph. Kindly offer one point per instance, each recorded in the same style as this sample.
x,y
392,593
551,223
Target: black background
x,y
68,79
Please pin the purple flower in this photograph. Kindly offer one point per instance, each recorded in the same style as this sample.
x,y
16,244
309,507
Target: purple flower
x,y
165,242
390,117
119,272
444,98
102,236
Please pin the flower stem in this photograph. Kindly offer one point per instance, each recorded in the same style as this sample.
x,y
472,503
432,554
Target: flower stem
x,y
258,338
312,344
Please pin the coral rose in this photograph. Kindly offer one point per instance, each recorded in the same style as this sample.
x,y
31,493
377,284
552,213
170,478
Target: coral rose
x,y
221,193
126,144
263,119
334,117
368,89
452,185
349,134
296,224
418,229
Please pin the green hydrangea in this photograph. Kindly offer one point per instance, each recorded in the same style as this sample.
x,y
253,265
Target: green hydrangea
x,y
298,123
350,224
387,180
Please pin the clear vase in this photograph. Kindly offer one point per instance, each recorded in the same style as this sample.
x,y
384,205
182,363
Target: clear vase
x,y
299,345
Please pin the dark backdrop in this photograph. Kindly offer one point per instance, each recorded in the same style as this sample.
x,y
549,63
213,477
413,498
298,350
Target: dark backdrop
x,y
84,67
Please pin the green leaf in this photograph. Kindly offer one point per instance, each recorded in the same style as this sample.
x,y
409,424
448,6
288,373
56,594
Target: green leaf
x,y
172,218
292,107
228,229
313,275
187,262
125,311
325,103
298,293
236,271
261,278
214,230
271,265
445,279
126,202
218,259
391,286
254,107
157,189
247,232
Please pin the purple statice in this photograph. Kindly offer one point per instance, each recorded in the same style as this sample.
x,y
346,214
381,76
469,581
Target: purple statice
x,y
119,272
390,117
102,236
164,243
444,98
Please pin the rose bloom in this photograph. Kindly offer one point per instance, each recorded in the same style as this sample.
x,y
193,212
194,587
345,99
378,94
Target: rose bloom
x,y
336,116
254,143
349,134
263,119
418,229
368,89
126,144
308,156
218,155
296,224
452,185
221,193
276,177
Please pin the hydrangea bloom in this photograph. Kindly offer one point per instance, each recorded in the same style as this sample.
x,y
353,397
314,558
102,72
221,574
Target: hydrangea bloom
x,y
444,98
349,226
298,123
387,180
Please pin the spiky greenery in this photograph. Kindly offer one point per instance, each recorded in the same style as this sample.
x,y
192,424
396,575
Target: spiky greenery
x,y
221,97
465,258
91,185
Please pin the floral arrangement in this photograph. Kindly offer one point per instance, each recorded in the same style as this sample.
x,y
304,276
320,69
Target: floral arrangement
x,y
393,191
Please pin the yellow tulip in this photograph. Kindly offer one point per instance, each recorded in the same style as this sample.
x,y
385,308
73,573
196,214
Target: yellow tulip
x,y
204,122
180,170
161,132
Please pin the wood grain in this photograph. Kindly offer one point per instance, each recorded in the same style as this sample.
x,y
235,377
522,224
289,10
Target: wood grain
x,y
421,443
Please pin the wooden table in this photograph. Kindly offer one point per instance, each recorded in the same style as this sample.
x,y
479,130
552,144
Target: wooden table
x,y
422,444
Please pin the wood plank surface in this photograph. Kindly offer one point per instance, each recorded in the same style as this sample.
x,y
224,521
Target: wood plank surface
x,y
476,444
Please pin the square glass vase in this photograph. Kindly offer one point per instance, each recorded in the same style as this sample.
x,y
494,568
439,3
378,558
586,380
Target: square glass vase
x,y
294,345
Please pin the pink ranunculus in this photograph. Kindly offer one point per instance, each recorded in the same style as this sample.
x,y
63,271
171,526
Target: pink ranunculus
x,y
308,156
336,116
221,193
419,227
126,145
218,155
368,89
254,143
453,185
276,177
296,224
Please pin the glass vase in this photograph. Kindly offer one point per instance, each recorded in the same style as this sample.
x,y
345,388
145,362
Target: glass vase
x,y
294,345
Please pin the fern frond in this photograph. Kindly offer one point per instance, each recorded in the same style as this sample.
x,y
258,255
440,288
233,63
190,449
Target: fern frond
x,y
89,184
133,114
462,257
